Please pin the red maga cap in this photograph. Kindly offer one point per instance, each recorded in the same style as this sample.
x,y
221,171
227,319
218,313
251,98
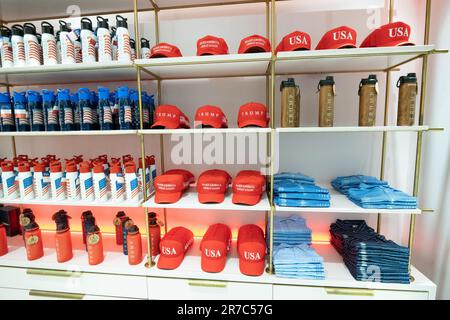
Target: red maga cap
x,y
188,176
169,188
253,114
254,43
174,246
170,117
211,45
390,35
248,187
215,245
165,50
210,116
251,248
212,186
294,41
338,38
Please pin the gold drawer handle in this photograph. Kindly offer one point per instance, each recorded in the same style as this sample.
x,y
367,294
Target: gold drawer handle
x,y
50,294
350,292
211,284
54,273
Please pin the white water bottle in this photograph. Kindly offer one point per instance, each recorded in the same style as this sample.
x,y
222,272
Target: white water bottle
x,y
25,178
6,54
10,190
58,46
86,182
48,43
104,40
100,183
76,40
41,182
88,41
18,47
57,181
131,182
117,182
114,43
133,49
123,40
67,46
32,47
72,181
145,49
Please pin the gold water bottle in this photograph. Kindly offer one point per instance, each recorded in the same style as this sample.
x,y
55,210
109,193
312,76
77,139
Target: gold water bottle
x,y
368,94
290,104
407,95
326,89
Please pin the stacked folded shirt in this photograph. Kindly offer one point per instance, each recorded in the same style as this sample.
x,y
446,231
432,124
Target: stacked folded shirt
x,y
298,261
298,190
291,230
368,255
371,193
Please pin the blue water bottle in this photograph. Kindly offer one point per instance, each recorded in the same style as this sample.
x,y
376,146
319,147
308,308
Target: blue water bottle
x,y
21,112
105,111
114,103
76,111
93,99
36,111
66,114
125,111
6,113
87,114
134,97
51,111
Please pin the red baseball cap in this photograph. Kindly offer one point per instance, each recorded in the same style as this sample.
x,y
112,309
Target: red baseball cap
x,y
211,45
169,188
253,44
212,186
215,245
294,41
390,35
173,247
251,248
253,114
170,117
165,50
338,38
210,116
187,176
248,187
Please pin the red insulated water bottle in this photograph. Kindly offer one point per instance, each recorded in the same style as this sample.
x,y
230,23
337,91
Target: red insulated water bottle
x,y
118,220
33,241
134,242
63,238
94,245
3,241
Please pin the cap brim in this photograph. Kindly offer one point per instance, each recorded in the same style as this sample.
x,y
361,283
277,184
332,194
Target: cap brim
x,y
213,265
159,55
258,123
208,124
211,197
255,49
164,125
251,268
346,46
398,44
165,262
161,197
251,200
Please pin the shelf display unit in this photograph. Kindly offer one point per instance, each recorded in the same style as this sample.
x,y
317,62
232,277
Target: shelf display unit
x,y
189,279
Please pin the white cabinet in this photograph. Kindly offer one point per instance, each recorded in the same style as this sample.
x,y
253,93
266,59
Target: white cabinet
x,y
284,292
113,285
182,289
21,294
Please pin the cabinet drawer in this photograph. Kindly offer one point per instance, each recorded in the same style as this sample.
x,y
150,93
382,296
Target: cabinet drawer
x,y
74,282
21,294
180,289
281,292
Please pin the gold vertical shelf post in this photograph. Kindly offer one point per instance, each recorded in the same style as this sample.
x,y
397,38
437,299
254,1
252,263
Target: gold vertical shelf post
x,y
150,263
423,90
386,116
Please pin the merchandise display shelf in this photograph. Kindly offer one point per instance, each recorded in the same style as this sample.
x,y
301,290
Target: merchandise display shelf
x,y
77,203
353,129
339,203
189,200
348,60
95,72
205,131
69,133
230,65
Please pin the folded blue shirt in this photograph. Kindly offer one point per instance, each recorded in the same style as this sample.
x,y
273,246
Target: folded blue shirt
x,y
293,176
295,254
285,186
303,196
381,197
290,225
342,184
301,203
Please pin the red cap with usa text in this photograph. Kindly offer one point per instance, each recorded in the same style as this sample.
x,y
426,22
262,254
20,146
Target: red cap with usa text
x,y
294,41
211,45
251,248
210,116
390,35
254,44
338,38
173,247
170,117
215,245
